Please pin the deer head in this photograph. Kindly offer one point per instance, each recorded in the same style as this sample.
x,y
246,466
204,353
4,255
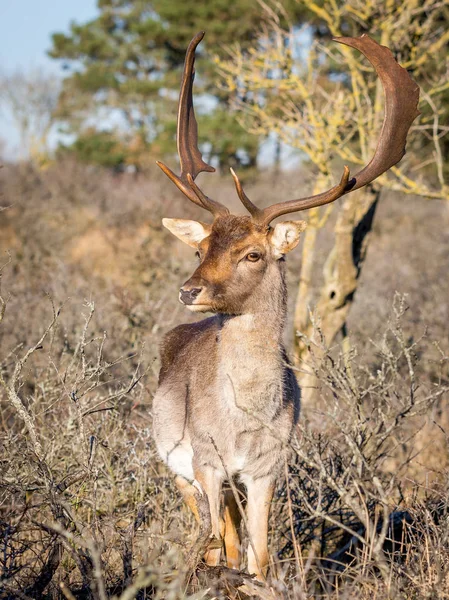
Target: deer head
x,y
237,253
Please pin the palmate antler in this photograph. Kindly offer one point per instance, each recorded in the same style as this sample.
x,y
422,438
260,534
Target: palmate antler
x,y
401,102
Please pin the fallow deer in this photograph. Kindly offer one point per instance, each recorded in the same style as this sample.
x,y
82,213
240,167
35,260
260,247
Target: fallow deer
x,y
227,399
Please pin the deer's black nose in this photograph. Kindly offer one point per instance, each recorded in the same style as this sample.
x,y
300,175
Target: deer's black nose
x,y
188,295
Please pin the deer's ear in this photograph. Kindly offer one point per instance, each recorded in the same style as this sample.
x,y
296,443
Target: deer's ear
x,y
189,232
285,236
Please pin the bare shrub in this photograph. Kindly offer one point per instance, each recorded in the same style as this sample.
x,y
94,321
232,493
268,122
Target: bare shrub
x,y
87,510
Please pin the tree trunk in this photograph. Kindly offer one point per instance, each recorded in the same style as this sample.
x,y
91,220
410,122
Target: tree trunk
x,y
301,318
341,276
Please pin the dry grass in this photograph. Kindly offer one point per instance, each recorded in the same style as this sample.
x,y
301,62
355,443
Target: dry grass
x,y
88,511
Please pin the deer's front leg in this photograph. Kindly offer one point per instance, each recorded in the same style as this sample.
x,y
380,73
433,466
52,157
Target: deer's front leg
x,y
188,492
231,534
260,494
210,481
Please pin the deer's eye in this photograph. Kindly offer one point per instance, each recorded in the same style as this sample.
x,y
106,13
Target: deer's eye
x,y
197,254
253,256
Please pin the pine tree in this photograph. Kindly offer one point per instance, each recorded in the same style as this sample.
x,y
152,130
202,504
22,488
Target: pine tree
x,y
125,69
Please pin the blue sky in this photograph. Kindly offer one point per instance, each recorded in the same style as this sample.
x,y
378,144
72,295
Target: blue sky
x,y
25,30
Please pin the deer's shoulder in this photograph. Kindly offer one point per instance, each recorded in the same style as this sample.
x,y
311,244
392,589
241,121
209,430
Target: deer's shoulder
x,y
188,337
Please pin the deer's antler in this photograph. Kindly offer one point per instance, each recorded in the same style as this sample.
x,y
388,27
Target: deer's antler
x,y
190,157
401,102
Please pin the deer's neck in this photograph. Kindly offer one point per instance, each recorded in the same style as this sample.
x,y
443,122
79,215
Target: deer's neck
x,y
251,359
265,313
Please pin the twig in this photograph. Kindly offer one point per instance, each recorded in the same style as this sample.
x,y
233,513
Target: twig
x,y
128,540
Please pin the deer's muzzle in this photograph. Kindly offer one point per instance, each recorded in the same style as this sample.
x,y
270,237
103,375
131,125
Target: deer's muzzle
x,y
188,295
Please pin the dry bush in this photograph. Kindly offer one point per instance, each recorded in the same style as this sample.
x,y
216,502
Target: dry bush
x,y
86,507
79,474
352,486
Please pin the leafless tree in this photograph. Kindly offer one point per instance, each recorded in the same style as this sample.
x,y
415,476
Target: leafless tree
x,y
28,100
